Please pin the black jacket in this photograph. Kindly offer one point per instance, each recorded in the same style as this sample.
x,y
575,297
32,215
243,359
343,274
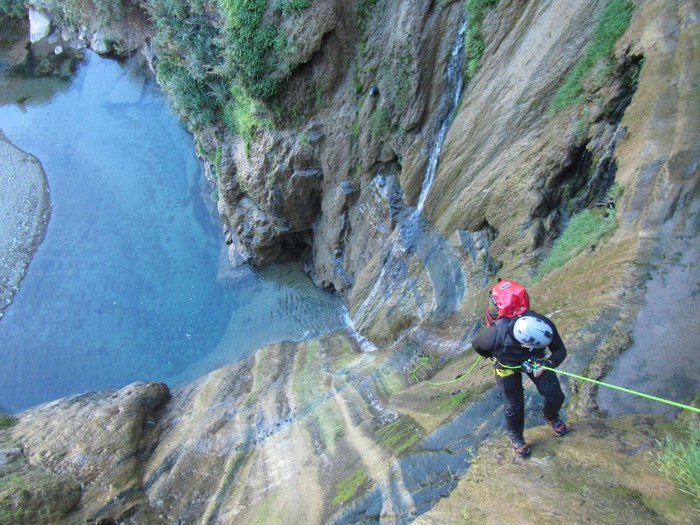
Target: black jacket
x,y
499,343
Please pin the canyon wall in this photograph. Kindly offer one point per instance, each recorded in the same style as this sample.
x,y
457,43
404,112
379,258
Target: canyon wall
x,y
323,432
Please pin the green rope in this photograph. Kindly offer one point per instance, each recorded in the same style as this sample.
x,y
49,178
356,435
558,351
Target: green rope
x,y
629,391
634,392
424,360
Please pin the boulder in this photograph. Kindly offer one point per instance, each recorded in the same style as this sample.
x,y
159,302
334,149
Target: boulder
x,y
39,25
96,439
99,43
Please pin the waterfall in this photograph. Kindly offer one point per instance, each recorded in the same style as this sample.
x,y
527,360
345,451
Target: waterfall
x,y
365,344
414,236
454,86
604,173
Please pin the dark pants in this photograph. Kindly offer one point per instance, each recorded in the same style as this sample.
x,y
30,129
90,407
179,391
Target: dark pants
x,y
514,409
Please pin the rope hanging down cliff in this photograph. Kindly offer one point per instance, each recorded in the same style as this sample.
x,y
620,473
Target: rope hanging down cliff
x,y
424,360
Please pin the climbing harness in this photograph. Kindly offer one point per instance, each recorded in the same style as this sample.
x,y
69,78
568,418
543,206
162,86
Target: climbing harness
x,y
504,372
424,360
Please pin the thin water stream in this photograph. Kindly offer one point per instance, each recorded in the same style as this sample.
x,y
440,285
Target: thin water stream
x,y
415,236
125,285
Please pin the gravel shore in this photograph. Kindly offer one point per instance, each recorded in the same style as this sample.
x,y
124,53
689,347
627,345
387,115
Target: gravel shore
x,y
24,214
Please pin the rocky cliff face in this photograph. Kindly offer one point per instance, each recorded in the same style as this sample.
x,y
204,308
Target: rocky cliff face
x,y
321,432
381,91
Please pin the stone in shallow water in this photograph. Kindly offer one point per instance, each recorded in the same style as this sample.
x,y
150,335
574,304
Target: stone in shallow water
x,y
99,44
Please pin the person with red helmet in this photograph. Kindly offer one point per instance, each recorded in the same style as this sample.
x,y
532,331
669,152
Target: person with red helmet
x,y
517,339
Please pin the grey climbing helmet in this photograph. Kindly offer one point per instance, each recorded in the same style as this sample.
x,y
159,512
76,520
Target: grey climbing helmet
x,y
532,332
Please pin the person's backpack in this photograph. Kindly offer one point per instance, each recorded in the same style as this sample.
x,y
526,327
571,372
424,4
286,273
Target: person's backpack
x,y
506,299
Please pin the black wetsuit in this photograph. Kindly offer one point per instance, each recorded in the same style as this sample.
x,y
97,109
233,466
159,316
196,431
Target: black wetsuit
x,y
499,343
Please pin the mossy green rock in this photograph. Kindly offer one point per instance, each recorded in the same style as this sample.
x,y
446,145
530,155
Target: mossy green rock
x,y
28,493
96,439
35,495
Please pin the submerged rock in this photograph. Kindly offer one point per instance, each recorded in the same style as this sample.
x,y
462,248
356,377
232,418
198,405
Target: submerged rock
x,y
24,200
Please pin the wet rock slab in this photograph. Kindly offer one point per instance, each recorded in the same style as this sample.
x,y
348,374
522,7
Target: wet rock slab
x,y
603,471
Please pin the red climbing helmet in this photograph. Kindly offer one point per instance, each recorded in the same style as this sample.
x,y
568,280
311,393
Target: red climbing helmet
x,y
506,299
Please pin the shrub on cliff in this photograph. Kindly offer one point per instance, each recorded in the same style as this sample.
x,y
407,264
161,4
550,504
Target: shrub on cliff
x,y
679,460
584,231
190,96
95,13
473,39
6,421
12,8
256,46
613,22
190,63
218,59
242,115
187,31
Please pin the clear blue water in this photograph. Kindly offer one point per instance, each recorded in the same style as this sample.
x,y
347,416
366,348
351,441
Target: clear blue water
x,y
127,284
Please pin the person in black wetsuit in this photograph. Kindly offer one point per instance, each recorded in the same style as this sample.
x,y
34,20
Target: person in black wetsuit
x,y
518,344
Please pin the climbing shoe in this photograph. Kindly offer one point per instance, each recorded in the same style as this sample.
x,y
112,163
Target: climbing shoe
x,y
520,447
558,426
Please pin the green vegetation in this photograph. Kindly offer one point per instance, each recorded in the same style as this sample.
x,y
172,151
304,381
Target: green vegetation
x,y
585,229
6,421
34,495
613,22
242,115
324,414
190,66
255,49
189,95
446,402
290,6
221,60
400,434
364,10
396,79
473,39
679,460
348,487
380,123
12,8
